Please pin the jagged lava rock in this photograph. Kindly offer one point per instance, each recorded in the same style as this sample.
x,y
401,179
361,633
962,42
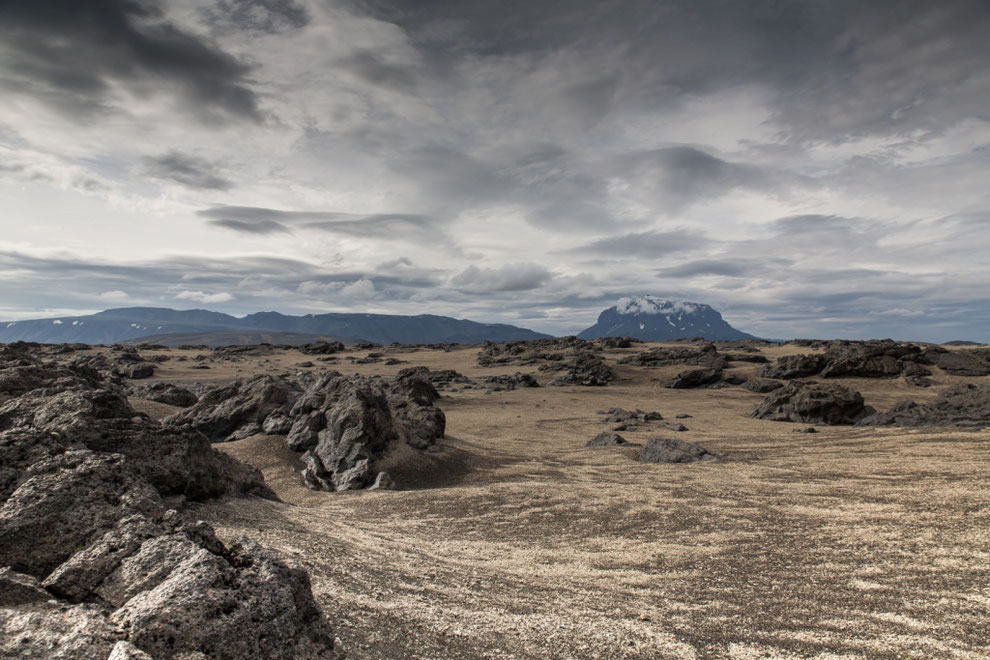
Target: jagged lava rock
x,y
812,402
672,450
963,405
239,409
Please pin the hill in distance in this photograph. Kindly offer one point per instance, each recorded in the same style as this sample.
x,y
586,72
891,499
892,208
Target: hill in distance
x,y
118,325
238,338
658,319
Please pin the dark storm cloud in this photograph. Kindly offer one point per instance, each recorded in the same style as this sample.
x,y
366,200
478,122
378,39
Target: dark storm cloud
x,y
511,277
187,170
259,16
260,227
727,267
258,220
372,68
836,69
647,244
682,175
72,54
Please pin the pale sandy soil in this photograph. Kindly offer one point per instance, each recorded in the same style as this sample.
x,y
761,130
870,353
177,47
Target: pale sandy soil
x,y
521,543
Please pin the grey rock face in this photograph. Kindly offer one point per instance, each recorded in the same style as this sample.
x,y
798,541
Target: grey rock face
x,y
762,385
321,348
585,369
19,589
694,378
811,402
706,355
512,381
790,367
531,352
174,461
62,502
221,412
96,566
168,393
965,363
353,426
57,631
672,450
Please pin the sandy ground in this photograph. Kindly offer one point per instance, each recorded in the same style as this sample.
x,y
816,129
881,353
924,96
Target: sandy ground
x,y
521,543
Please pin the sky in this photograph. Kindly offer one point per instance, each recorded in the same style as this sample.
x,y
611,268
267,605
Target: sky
x,y
810,168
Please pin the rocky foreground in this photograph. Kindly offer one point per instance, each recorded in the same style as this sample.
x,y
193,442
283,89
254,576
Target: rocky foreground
x,y
99,556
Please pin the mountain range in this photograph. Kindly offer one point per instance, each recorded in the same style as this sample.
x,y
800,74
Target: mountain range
x,y
117,325
647,318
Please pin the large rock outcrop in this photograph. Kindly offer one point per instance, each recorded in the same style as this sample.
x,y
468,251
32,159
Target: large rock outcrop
x,y
585,369
963,405
93,564
706,355
815,403
240,409
343,425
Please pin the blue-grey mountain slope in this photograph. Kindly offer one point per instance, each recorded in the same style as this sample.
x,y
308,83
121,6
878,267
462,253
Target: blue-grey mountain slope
x,y
116,325
658,319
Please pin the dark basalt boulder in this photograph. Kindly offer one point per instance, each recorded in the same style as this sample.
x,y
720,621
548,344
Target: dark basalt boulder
x,y
134,371
62,502
607,439
512,381
532,351
222,412
790,367
672,450
618,342
754,358
321,348
345,426
411,396
706,356
175,461
963,405
168,393
812,402
443,379
97,566
694,378
415,384
20,589
964,363
762,385
585,369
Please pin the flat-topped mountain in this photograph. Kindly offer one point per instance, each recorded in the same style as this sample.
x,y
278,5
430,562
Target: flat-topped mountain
x,y
659,319
117,325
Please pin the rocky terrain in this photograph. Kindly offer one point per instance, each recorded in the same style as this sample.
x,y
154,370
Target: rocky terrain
x,y
547,498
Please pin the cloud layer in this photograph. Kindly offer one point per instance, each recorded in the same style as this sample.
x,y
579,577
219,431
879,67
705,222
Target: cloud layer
x,y
809,169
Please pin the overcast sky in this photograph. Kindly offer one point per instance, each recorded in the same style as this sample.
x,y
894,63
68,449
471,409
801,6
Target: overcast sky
x,y
810,168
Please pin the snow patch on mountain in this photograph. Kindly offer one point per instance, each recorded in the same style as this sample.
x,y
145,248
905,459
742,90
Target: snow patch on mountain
x,y
651,305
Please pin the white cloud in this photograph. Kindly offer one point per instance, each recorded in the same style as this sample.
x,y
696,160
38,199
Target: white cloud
x,y
114,296
361,289
203,297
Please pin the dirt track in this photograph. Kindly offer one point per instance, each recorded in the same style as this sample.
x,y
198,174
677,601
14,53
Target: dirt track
x,y
522,543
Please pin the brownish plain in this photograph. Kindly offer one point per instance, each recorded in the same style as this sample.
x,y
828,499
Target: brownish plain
x,y
517,541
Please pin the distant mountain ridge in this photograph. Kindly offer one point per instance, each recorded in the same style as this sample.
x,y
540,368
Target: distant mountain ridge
x,y
117,325
658,319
